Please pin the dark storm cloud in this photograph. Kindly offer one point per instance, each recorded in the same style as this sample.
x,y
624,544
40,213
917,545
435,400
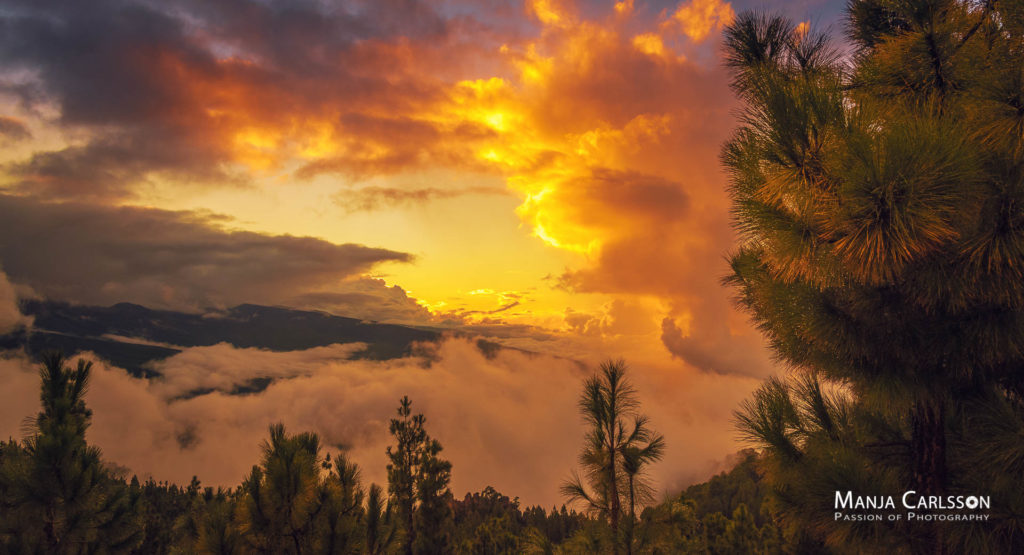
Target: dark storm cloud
x,y
101,60
96,59
114,69
306,36
102,255
109,167
167,88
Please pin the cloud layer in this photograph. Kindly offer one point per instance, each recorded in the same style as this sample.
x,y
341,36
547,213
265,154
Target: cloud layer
x,y
509,421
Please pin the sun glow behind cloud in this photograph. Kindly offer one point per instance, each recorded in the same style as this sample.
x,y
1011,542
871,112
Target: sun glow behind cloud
x,y
490,126
597,123
493,125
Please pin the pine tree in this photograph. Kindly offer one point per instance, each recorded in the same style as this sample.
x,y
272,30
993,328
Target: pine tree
x,y
212,525
58,496
380,525
403,468
342,521
642,448
880,203
295,502
280,495
433,520
418,484
618,444
742,533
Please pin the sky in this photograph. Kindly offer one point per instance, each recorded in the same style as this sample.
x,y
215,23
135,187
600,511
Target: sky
x,y
542,173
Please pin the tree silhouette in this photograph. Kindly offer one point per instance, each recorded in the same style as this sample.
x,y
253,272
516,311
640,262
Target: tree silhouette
x,y
418,483
434,514
380,525
57,496
210,525
617,446
281,498
641,448
296,502
341,529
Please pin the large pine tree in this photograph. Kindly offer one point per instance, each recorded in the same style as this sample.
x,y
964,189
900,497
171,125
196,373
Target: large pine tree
x,y
879,197
56,495
619,444
418,483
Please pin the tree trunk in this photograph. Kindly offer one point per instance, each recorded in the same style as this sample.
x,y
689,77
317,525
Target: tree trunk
x,y
613,492
632,516
50,528
928,449
410,531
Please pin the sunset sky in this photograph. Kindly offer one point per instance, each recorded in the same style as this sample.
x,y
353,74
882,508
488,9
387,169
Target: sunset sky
x,y
543,173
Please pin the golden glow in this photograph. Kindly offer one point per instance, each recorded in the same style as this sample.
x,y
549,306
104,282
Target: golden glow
x,y
547,11
319,142
802,29
257,148
649,43
534,68
545,124
699,18
538,163
497,121
542,233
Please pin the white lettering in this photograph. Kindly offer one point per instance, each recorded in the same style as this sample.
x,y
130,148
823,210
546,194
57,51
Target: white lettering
x,y
905,503
844,502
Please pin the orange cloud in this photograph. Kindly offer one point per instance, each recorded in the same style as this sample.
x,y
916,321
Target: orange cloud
x,y
697,19
604,127
616,158
548,12
649,43
611,137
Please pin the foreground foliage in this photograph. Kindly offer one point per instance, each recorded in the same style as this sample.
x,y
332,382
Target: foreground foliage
x,y
57,496
880,202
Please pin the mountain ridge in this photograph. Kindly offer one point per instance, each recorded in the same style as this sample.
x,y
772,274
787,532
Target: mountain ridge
x,y
107,331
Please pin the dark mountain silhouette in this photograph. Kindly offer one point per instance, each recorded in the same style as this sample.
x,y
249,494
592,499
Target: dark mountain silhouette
x,y
120,333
